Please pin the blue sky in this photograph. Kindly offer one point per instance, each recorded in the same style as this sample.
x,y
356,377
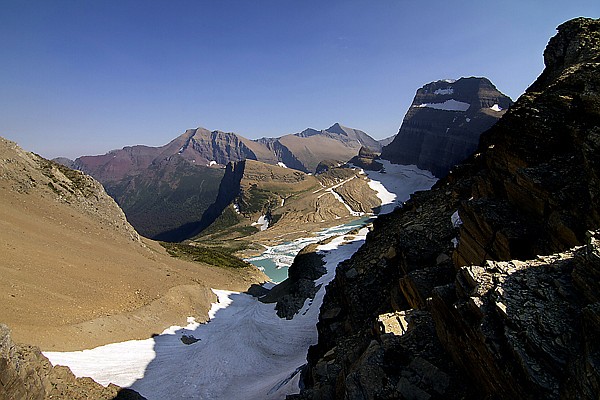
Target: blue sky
x,y
82,77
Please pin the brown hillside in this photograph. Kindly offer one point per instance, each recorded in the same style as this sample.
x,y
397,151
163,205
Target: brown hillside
x,y
76,275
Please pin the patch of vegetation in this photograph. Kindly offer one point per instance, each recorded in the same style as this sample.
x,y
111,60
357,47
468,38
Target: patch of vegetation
x,y
217,256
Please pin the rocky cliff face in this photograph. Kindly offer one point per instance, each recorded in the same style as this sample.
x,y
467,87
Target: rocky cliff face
x,y
478,288
443,124
26,374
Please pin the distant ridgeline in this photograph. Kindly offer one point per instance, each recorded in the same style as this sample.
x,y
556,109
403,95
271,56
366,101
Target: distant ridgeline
x,y
165,191
444,122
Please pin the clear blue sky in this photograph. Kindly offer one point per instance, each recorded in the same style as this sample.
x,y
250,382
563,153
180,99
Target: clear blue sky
x,y
82,77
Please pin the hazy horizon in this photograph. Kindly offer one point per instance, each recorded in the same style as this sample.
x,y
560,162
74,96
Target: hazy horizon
x,y
82,78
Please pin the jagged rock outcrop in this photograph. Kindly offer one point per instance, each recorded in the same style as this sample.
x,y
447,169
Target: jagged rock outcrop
x,y
366,159
443,124
513,310
26,374
291,294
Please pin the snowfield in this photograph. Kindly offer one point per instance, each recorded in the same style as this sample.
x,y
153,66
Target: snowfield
x,y
397,183
245,352
448,105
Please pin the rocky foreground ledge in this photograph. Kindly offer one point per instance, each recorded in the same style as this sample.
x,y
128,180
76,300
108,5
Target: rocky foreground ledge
x,y
487,286
26,374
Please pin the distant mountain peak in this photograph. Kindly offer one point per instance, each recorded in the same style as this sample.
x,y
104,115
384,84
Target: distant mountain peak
x,y
443,124
338,128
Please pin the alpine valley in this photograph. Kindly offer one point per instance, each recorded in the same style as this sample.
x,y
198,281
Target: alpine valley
x,y
459,259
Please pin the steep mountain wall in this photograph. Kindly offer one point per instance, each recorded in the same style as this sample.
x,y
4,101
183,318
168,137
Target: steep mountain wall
x,y
512,311
442,126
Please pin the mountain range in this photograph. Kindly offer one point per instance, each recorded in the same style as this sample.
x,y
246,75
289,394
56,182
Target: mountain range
x,y
162,189
166,191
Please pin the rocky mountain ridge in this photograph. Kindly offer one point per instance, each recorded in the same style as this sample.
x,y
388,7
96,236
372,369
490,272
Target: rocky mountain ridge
x,y
442,126
165,189
264,203
484,287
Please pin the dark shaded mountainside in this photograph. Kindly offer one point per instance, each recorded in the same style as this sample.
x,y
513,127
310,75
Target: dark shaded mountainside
x,y
164,190
254,196
443,124
484,287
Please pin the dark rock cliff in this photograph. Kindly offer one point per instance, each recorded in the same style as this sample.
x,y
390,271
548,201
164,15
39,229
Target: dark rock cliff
x,y
442,126
478,289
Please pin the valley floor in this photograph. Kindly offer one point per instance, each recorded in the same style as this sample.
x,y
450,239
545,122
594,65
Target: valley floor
x,y
246,350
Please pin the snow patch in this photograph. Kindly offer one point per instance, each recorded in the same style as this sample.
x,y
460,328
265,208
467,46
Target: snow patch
x,y
282,164
444,91
496,108
448,105
263,222
236,207
455,218
468,119
397,182
211,163
245,352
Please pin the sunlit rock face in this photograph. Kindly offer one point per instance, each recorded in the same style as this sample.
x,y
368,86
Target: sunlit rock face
x,y
443,124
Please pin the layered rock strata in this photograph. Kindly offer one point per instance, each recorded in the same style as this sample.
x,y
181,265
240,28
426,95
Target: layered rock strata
x,y
512,311
443,124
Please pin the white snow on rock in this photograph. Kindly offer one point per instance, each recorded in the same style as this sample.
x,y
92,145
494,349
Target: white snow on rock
x,y
211,163
468,119
448,105
444,91
455,218
263,222
496,107
236,207
281,164
245,352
